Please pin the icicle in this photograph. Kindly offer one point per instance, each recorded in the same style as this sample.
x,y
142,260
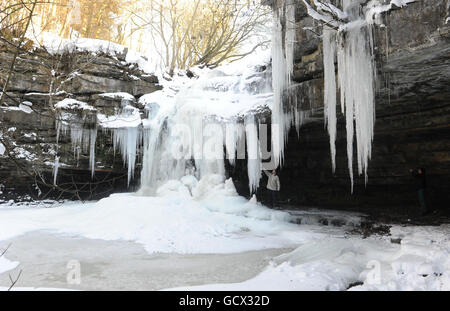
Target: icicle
x,y
329,55
55,170
233,135
254,153
92,142
283,38
356,76
127,141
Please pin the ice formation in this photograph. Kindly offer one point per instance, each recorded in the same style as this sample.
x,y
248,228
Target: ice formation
x,y
80,120
329,55
353,46
126,130
283,38
55,170
348,36
254,153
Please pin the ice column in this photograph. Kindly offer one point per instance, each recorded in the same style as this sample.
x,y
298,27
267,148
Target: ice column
x,y
353,44
283,38
127,140
329,56
254,153
55,170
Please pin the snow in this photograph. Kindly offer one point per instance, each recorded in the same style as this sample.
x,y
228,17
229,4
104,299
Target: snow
x,y
73,104
206,216
213,220
420,262
7,265
330,8
22,107
375,8
320,17
2,149
57,45
119,95
129,118
26,107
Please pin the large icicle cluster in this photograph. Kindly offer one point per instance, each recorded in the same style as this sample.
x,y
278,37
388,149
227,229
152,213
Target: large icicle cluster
x,y
80,120
283,39
352,43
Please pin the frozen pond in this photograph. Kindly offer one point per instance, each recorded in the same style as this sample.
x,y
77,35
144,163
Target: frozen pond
x,y
119,265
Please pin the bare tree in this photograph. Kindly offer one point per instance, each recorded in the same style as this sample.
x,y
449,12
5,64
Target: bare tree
x,y
201,32
58,72
19,46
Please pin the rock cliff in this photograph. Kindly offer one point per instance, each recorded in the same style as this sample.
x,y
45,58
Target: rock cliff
x,y
412,53
40,80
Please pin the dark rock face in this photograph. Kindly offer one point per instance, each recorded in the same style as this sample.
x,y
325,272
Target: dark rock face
x,y
34,132
412,109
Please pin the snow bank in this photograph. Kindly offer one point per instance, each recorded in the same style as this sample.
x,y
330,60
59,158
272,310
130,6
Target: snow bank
x,y
420,262
73,104
207,218
57,45
119,95
22,107
375,8
130,117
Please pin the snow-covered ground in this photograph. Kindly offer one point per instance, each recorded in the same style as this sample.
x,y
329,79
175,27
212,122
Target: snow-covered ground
x,y
194,237
420,262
